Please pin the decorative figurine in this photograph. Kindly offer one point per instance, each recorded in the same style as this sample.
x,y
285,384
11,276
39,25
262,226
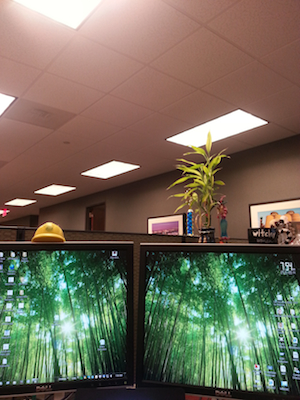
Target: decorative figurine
x,y
222,213
284,235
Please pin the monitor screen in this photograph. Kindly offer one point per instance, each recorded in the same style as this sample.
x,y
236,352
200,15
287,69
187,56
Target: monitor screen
x,y
221,319
66,315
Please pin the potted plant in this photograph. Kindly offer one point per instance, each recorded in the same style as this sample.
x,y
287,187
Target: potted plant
x,y
201,186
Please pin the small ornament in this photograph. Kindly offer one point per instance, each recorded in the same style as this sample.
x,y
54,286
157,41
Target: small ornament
x,y
189,222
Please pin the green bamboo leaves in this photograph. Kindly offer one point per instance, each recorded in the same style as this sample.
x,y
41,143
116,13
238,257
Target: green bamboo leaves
x,y
200,184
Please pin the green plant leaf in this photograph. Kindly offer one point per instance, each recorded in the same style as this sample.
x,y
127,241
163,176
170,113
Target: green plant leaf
x,y
208,142
221,183
180,180
179,207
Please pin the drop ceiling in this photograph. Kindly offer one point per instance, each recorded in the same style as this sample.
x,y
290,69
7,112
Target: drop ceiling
x,y
133,74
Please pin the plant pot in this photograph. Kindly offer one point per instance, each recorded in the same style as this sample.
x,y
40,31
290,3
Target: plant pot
x,y
207,235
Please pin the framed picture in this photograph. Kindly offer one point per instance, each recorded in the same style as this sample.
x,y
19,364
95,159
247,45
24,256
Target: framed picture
x,y
261,213
168,225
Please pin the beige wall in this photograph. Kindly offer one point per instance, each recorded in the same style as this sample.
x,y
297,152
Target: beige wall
x,y
262,174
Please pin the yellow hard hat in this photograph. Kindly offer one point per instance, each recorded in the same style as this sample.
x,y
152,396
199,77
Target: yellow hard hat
x,y
48,232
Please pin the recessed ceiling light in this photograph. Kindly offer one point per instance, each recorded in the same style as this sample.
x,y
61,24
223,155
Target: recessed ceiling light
x,y
223,127
55,190
110,169
5,102
20,202
68,12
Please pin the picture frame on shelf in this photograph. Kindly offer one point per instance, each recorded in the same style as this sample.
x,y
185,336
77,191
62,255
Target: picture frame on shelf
x,y
258,213
167,225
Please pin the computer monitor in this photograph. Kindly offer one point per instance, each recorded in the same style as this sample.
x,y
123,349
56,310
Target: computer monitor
x,y
66,315
220,319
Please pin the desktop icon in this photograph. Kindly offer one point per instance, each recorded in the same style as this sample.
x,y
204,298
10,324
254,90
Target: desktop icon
x,y
256,367
271,382
295,355
295,340
292,311
279,297
284,384
283,369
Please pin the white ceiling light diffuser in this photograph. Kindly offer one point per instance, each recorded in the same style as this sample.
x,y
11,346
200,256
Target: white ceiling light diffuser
x,y
5,102
108,170
223,127
20,202
55,190
68,12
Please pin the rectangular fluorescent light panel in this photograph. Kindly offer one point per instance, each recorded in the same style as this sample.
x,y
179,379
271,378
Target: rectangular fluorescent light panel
x,y
5,102
20,202
108,170
55,190
68,12
223,127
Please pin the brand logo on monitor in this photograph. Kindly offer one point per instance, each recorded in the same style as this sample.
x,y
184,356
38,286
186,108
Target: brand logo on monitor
x,y
44,388
223,393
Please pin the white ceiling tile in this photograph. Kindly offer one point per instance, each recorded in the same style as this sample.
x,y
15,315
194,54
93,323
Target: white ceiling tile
x,y
278,106
161,151
94,65
130,140
101,152
141,29
248,84
61,93
17,137
152,89
15,77
37,114
201,58
116,111
198,107
201,11
257,26
264,134
159,126
29,37
291,123
90,129
278,61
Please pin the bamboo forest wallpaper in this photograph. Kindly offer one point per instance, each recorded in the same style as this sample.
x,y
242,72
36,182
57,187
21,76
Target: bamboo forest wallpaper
x,y
63,316
223,320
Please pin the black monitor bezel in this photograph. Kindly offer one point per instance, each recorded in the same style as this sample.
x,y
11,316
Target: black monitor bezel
x,y
217,248
73,385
